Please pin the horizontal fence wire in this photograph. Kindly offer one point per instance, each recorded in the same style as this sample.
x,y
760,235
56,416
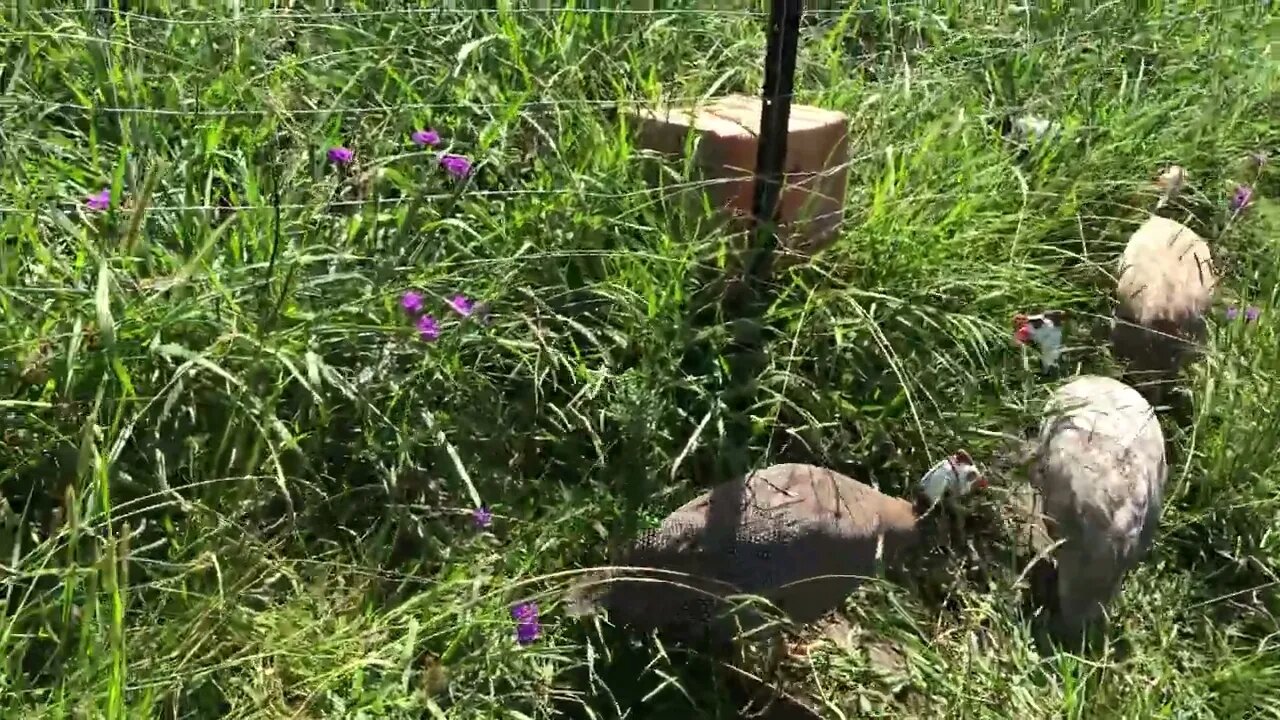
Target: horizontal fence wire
x,y
28,101
739,175
721,175
499,194
356,14
667,191
19,101
236,18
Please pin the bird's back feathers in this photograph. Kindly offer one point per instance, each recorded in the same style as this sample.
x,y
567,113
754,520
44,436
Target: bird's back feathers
x,y
800,536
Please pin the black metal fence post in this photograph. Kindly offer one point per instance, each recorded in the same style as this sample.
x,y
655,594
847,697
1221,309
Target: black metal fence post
x,y
747,312
775,120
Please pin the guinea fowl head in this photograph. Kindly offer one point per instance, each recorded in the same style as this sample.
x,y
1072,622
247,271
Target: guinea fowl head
x,y
1038,328
954,476
1042,331
1170,184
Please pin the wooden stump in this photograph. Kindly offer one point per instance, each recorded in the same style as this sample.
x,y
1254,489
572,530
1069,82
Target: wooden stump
x,y
811,206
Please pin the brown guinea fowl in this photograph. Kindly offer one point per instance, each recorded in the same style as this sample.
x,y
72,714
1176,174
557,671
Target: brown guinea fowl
x,y
800,536
1165,285
1098,471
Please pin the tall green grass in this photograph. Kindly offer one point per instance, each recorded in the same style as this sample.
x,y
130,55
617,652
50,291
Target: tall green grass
x,y
237,483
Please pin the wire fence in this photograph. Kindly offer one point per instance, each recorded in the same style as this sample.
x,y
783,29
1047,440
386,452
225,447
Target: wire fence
x,y
317,195
773,123
163,201
192,107
28,102
739,175
44,208
452,9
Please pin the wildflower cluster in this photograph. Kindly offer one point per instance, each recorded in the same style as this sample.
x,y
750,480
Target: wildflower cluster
x,y
458,166
428,326
425,138
1251,313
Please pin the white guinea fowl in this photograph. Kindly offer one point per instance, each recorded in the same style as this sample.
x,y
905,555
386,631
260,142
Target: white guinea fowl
x,y
1099,471
953,476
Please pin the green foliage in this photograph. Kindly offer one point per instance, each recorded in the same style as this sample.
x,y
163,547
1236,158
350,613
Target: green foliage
x,y
237,484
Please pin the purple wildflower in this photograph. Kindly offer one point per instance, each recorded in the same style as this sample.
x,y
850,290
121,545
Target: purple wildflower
x,y
462,305
425,138
1251,313
340,155
99,201
1232,313
412,302
428,328
527,633
457,165
482,517
527,627
1242,199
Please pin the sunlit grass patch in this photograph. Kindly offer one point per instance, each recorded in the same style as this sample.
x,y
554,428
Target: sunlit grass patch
x,y
329,338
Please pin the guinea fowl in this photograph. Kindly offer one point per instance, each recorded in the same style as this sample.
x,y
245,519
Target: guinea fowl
x,y
800,536
1165,286
1098,471
1170,183
1042,331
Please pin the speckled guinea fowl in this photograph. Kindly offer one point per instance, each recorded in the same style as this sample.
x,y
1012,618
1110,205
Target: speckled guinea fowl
x,y
1099,471
800,536
1165,285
